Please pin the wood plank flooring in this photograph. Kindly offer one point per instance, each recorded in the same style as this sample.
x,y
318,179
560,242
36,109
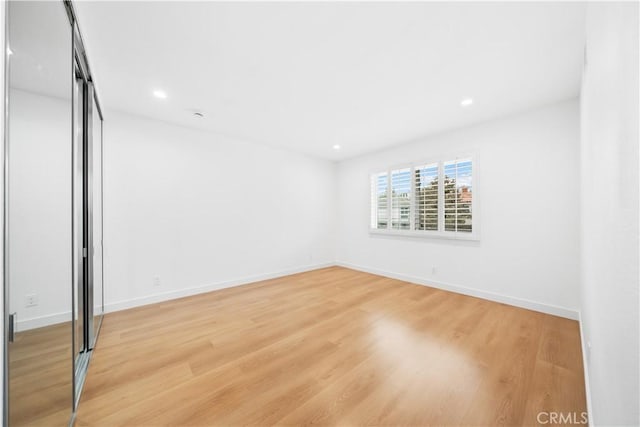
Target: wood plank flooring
x,y
40,377
331,347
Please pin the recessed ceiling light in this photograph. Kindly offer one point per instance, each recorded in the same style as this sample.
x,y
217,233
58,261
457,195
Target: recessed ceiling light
x,y
160,94
466,102
336,147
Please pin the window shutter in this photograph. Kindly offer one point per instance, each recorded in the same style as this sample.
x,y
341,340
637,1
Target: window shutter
x,y
426,197
401,199
379,204
432,200
458,195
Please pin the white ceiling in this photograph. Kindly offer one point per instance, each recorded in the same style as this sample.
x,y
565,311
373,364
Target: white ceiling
x,y
306,76
40,42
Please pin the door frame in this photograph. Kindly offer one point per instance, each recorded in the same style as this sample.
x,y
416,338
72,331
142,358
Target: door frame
x,y
85,105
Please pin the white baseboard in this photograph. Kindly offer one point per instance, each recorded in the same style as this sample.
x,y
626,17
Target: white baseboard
x,y
181,293
585,349
505,299
42,321
39,322
26,324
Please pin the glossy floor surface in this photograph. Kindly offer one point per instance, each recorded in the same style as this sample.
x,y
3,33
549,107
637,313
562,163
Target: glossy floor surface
x,y
332,347
40,377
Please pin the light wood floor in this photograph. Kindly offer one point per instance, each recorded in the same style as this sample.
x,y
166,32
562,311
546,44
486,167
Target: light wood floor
x,y
332,347
40,377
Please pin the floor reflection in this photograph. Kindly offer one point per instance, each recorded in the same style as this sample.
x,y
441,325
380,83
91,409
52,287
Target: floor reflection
x,y
40,374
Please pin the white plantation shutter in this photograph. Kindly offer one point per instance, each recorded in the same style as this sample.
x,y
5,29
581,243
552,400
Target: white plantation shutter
x,y
401,199
426,196
432,199
379,200
458,195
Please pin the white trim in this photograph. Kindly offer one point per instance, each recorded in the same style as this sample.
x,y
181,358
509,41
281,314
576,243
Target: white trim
x,y
181,293
568,313
587,388
52,319
39,322
505,299
427,234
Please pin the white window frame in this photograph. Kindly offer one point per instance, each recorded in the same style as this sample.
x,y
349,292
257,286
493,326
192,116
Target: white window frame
x,y
440,233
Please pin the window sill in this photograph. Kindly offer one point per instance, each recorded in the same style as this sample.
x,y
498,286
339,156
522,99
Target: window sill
x,y
441,235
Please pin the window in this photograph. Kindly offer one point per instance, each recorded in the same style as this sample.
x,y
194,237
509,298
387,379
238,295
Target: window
x,y
400,198
432,199
426,183
458,196
379,217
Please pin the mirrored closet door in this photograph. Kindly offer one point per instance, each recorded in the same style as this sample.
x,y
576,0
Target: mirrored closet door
x,y
53,207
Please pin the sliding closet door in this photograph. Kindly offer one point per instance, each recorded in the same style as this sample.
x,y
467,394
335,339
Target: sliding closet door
x,y
53,206
79,125
87,215
97,224
83,211
38,207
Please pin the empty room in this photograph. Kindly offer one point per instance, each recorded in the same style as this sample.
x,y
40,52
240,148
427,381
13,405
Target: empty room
x,y
330,213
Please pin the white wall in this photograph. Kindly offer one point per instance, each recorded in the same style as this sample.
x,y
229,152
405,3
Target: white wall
x,y
202,211
609,159
196,210
528,193
40,208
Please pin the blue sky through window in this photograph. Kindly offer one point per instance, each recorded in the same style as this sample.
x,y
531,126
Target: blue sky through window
x,y
464,172
401,181
427,175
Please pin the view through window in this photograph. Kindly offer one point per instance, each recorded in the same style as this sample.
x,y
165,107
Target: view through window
x,y
434,198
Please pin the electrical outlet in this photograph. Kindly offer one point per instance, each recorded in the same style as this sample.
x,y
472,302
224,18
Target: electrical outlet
x,y
156,281
433,269
31,300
